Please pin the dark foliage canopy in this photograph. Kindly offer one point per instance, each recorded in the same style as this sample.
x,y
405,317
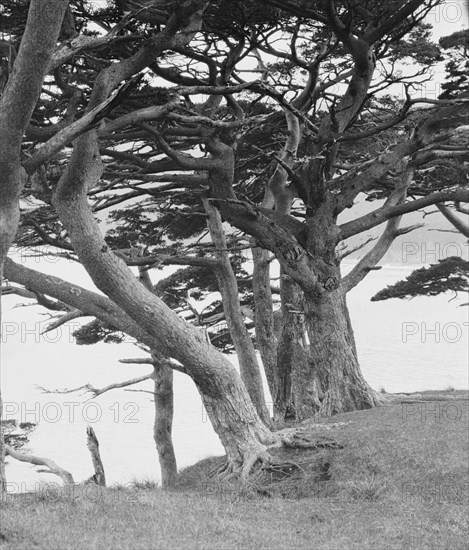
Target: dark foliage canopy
x,y
449,274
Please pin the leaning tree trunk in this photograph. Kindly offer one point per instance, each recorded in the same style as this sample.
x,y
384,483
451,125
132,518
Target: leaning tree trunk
x,y
228,286
233,416
331,381
17,101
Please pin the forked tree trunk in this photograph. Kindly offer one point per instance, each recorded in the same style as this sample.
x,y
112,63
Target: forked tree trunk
x,y
317,373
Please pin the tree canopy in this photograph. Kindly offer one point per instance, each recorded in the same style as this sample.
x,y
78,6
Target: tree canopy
x,y
146,123
449,274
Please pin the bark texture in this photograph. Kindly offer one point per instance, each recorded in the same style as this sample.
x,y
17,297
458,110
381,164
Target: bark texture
x,y
92,443
248,364
227,402
164,409
17,101
53,468
266,337
2,449
332,381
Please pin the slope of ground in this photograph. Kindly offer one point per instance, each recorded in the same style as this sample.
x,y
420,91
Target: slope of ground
x,y
396,477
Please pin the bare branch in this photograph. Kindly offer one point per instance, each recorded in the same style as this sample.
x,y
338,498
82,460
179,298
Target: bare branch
x,y
69,48
75,314
369,261
186,161
137,361
348,251
155,112
400,15
385,213
40,461
453,218
98,391
71,132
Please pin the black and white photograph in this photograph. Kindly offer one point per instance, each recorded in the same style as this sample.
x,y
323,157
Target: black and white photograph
x,y
234,265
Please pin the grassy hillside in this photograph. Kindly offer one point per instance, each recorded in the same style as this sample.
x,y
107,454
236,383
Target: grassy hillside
x,y
400,480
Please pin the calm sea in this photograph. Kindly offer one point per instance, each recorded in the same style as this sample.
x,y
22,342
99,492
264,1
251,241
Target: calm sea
x,y
403,346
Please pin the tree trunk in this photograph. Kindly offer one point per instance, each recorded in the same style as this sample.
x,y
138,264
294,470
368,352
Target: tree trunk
x,y
228,286
2,450
266,337
234,418
221,376
292,351
17,102
331,381
92,443
164,408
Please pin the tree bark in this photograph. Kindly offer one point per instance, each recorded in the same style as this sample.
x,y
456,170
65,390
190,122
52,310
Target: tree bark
x,y
2,447
17,102
228,286
228,405
164,408
41,461
292,349
93,445
266,337
331,381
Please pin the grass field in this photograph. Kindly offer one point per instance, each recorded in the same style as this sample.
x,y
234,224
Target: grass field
x,y
400,481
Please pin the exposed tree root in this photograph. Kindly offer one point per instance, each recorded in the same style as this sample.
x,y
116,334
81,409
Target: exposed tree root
x,y
254,460
282,470
301,439
222,472
253,457
258,459
358,398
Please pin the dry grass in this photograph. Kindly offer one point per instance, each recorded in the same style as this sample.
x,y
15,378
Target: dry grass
x,y
401,481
